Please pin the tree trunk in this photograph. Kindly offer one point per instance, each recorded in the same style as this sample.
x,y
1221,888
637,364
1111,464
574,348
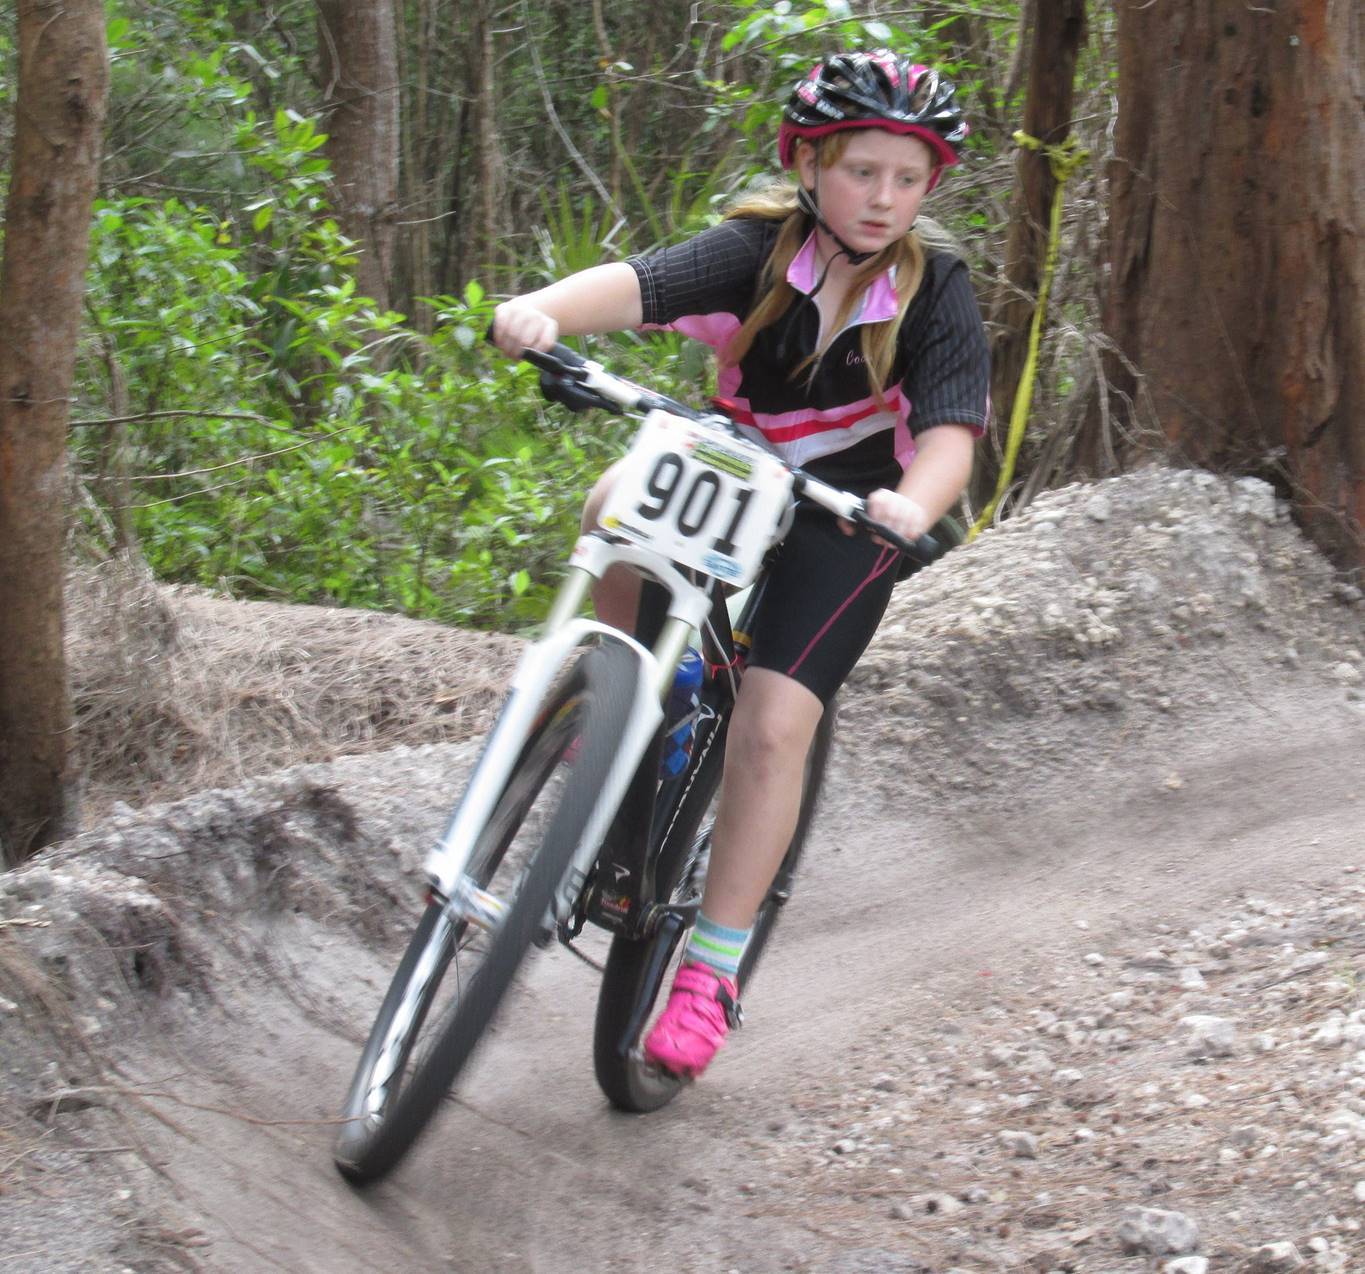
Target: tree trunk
x,y
484,91
358,51
59,121
1237,269
970,43
1048,106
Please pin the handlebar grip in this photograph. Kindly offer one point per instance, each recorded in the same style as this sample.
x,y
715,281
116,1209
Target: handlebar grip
x,y
558,358
923,550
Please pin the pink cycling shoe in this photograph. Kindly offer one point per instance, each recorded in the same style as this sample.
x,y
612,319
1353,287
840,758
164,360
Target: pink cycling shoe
x,y
701,1009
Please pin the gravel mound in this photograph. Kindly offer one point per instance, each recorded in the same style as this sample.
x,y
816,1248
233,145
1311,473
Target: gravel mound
x,y
1104,610
1217,1075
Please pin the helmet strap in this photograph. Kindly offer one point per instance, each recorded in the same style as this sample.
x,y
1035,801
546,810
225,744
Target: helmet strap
x,y
810,205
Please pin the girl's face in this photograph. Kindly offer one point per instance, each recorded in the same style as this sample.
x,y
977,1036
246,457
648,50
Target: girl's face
x,y
870,194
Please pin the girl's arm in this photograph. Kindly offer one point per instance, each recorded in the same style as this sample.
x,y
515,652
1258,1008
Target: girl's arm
x,y
604,298
931,485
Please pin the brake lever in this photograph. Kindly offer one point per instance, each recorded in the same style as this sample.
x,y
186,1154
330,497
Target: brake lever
x,y
560,387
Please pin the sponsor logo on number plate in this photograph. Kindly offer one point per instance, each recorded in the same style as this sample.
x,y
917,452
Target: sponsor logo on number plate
x,y
725,461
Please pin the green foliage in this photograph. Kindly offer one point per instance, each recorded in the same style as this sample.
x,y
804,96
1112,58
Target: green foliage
x,y
289,441
784,40
433,486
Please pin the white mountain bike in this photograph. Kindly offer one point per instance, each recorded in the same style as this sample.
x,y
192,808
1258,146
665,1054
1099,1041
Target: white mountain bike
x,y
566,821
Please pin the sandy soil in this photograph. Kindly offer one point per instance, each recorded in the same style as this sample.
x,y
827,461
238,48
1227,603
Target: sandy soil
x,y
1072,981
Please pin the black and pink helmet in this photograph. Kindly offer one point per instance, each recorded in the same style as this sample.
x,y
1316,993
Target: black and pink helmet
x,y
874,90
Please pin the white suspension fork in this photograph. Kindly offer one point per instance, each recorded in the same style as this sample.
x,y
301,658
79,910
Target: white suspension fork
x,y
537,671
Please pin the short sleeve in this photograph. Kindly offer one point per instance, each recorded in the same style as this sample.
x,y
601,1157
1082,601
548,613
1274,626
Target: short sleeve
x,y
948,373
714,272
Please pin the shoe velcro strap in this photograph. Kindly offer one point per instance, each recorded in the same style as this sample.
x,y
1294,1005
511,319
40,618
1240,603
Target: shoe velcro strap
x,y
698,979
734,1011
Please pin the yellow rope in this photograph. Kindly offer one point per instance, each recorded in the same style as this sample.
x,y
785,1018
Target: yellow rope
x,y
1063,159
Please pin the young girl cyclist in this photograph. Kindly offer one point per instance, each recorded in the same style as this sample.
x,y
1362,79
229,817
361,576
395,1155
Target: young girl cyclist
x,y
857,351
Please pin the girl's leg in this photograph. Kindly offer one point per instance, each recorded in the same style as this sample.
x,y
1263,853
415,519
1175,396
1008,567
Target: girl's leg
x,y
616,596
770,735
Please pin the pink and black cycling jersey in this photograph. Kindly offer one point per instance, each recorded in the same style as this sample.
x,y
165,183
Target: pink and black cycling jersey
x,y
829,423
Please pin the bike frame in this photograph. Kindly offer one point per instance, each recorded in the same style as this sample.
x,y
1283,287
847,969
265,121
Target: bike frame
x,y
539,667
581,383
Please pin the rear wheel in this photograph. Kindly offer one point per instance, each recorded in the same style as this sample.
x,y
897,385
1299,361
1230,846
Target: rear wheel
x,y
454,974
638,969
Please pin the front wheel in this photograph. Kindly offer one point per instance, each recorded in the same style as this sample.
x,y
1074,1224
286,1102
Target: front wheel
x,y
455,974
637,969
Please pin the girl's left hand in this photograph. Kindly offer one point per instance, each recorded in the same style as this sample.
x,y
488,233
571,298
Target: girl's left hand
x,y
902,514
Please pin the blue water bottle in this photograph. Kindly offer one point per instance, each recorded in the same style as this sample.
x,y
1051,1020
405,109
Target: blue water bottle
x,y
680,715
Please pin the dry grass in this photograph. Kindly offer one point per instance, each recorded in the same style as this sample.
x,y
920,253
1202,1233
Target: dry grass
x,y
176,690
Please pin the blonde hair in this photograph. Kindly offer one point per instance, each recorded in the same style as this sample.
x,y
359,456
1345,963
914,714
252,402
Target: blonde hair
x,y
878,340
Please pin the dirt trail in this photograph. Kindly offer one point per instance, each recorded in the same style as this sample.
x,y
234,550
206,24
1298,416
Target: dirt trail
x,y
955,916
530,1170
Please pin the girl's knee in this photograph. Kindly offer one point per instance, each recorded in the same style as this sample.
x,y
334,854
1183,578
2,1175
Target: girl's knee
x,y
597,497
772,734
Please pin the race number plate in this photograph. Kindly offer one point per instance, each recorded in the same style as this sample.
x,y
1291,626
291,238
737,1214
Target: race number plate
x,y
698,497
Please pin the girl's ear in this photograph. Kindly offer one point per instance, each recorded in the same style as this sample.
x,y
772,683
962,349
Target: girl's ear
x,y
806,159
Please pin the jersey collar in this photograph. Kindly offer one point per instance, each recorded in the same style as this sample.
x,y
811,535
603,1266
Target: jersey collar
x,y
879,303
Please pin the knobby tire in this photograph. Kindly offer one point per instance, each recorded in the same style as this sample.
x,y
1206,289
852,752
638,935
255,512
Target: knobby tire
x,y
593,705
628,1081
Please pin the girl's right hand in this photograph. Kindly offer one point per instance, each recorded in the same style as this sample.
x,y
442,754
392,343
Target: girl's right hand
x,y
518,325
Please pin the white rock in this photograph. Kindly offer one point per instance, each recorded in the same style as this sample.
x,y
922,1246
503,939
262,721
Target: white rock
x,y
1329,1034
1022,1145
1187,1265
1347,1120
1270,1258
1158,1232
1209,1035
940,1203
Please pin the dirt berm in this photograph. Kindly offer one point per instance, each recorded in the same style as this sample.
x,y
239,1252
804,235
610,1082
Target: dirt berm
x,y
1073,980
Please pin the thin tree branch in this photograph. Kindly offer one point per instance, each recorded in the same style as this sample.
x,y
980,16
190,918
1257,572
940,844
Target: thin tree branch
x,y
555,123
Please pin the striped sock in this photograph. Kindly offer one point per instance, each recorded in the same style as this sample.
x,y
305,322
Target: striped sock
x,y
717,947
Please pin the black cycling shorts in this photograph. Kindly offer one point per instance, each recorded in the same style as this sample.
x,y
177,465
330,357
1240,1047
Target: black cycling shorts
x,y
823,596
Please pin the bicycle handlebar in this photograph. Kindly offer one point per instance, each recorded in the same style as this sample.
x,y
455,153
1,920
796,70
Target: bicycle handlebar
x,y
577,382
